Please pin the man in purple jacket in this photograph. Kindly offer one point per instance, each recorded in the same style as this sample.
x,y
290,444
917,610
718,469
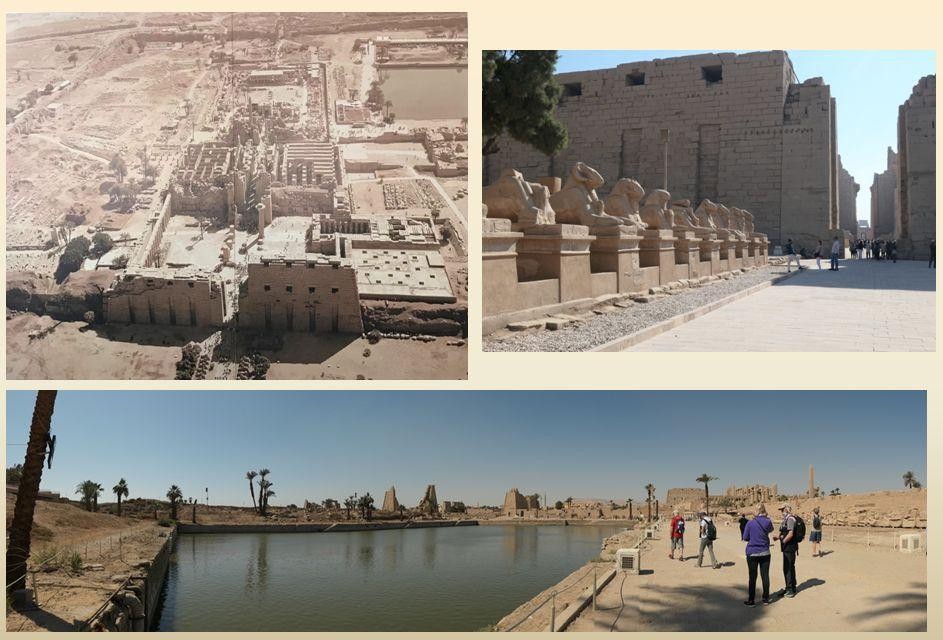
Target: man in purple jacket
x,y
756,535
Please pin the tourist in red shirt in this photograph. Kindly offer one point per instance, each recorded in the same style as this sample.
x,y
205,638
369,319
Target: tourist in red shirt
x,y
677,535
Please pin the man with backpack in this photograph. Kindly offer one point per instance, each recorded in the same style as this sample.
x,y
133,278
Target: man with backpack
x,y
791,256
677,535
791,533
816,536
708,535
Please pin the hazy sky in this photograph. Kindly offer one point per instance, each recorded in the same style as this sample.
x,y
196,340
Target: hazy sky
x,y
474,445
868,86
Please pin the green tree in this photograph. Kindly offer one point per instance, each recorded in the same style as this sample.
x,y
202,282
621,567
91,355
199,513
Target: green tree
x,y
175,495
629,503
121,491
558,505
250,476
73,58
265,491
21,526
119,167
519,97
72,257
101,244
14,474
706,479
910,480
89,490
650,492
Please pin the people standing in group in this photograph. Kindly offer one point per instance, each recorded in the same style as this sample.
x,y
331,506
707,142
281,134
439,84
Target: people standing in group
x,y
756,535
932,264
854,251
867,249
708,533
791,256
815,537
836,248
819,252
789,545
677,535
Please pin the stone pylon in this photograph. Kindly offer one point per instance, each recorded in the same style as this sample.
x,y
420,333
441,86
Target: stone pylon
x,y
390,503
429,504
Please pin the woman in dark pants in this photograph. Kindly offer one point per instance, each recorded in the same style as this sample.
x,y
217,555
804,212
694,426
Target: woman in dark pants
x,y
756,535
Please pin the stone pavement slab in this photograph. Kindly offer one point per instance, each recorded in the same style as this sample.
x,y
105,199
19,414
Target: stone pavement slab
x,y
852,588
865,306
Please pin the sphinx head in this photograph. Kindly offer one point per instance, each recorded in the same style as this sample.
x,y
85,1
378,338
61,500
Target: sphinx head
x,y
629,188
658,197
587,176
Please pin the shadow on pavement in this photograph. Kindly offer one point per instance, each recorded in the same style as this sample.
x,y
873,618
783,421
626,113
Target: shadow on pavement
x,y
865,275
912,601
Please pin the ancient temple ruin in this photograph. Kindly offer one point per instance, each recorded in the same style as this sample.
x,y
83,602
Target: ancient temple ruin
x,y
429,505
915,219
721,127
390,503
518,505
549,244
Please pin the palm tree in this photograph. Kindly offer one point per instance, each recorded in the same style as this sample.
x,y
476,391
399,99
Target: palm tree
x,y
265,491
250,476
629,502
89,490
402,511
910,480
118,165
650,490
21,526
175,495
121,491
568,501
706,479
349,504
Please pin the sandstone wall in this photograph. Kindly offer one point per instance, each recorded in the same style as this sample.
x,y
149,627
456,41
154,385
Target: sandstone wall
x,y
916,146
883,197
302,296
847,200
755,138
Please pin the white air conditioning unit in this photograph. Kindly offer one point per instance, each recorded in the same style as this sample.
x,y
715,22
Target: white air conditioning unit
x,y
910,542
627,560
650,533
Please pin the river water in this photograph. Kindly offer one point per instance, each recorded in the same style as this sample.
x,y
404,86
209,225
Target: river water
x,y
442,579
438,93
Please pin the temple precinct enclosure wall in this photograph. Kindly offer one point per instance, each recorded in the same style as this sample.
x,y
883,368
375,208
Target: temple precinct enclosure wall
x,y
741,129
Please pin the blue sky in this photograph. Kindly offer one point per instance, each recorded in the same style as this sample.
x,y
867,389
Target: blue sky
x,y
475,445
868,86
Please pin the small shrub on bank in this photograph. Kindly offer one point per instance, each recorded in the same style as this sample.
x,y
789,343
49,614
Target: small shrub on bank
x,y
165,522
75,561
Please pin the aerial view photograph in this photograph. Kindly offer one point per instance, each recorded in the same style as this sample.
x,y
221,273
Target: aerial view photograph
x,y
238,196
525,511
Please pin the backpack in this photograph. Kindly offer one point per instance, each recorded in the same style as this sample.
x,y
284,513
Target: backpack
x,y
816,522
680,527
711,530
798,534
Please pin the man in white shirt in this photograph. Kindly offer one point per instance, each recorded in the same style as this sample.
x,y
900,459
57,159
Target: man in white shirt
x,y
708,533
836,249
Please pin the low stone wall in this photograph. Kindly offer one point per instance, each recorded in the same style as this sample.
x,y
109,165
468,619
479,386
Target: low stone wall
x,y
324,527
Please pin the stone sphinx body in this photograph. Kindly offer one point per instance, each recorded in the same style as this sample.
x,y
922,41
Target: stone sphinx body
x,y
524,203
748,227
623,203
725,221
737,220
705,213
577,202
655,214
684,214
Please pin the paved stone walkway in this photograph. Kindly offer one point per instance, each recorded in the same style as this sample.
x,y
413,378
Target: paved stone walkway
x,y
852,588
866,306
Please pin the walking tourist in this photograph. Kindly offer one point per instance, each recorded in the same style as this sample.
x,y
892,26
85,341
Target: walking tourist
x,y
836,248
932,264
708,535
677,535
756,535
789,545
816,536
743,523
819,252
791,255
892,250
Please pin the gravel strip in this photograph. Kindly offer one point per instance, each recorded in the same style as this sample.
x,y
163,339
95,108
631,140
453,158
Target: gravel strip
x,y
595,330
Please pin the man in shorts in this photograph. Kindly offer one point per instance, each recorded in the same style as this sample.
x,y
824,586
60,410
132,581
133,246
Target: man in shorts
x,y
815,537
790,549
677,535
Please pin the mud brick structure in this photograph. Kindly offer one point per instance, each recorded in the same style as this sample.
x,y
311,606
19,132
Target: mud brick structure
x,y
883,198
164,296
740,128
916,176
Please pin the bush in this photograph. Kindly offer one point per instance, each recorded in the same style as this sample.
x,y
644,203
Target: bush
x,y
101,244
72,257
74,561
165,522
